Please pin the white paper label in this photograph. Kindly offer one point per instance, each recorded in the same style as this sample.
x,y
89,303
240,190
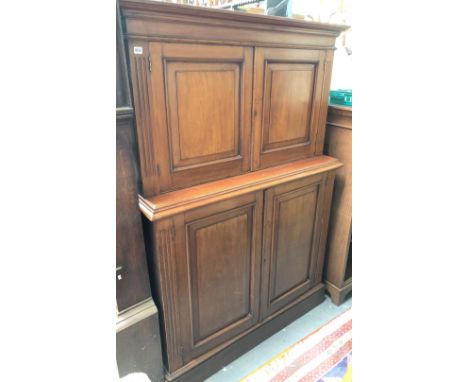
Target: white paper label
x,y
137,50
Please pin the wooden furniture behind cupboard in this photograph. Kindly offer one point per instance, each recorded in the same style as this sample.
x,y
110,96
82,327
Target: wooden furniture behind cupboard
x,y
230,114
338,275
138,340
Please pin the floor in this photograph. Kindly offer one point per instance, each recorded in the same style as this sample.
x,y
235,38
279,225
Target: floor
x,y
279,341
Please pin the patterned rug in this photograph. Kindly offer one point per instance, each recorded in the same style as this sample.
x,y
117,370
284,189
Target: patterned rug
x,y
322,356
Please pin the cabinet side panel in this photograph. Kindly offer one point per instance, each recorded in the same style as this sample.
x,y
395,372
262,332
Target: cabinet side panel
x,y
133,285
339,145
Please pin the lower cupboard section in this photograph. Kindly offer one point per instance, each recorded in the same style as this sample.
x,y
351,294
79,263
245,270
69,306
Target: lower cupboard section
x,y
229,274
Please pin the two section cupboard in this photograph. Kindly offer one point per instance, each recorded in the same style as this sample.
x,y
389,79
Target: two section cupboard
x,y
230,117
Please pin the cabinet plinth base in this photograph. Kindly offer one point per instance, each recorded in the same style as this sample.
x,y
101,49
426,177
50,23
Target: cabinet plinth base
x,y
138,342
338,295
250,340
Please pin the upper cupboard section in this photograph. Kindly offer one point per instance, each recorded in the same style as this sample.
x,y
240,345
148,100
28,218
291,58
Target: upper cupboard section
x,y
220,93
206,112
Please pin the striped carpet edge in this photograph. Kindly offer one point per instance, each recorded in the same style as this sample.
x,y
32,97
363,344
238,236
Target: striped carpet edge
x,y
311,357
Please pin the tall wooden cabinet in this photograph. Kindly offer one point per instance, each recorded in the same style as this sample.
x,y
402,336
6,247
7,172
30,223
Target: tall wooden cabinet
x,y
230,115
338,276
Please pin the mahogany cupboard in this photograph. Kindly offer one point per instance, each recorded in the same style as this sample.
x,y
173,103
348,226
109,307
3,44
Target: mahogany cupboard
x,y
230,116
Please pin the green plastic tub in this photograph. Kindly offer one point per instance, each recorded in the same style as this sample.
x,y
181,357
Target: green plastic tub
x,y
343,97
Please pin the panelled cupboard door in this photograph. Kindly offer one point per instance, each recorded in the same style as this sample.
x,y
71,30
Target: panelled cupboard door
x,y
293,226
290,104
194,106
218,248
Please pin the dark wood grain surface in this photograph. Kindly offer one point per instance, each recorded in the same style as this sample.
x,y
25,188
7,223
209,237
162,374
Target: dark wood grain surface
x,y
339,144
132,283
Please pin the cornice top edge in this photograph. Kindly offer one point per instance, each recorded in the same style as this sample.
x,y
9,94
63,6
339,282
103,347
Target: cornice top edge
x,y
157,7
